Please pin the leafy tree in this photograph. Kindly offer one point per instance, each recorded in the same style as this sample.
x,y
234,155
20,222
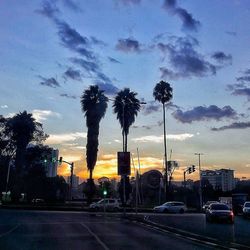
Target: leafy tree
x,y
94,105
21,130
126,106
163,93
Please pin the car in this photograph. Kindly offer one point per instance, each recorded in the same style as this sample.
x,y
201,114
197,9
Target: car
x,y
38,201
171,207
205,207
219,212
246,209
109,204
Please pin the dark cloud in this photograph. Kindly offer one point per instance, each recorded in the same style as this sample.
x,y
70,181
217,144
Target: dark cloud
x,y
113,60
231,33
235,125
89,66
49,82
242,92
72,5
68,96
48,9
128,45
153,106
184,59
144,126
202,113
188,22
97,41
221,57
73,74
242,87
109,88
126,2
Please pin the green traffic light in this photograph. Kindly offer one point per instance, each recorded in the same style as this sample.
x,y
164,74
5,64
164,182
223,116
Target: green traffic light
x,y
45,160
104,192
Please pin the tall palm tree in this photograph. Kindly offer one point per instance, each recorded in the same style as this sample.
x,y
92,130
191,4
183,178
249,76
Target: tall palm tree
x,y
163,93
94,105
126,106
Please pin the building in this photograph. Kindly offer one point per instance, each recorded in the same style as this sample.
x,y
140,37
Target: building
x,y
51,163
75,181
222,179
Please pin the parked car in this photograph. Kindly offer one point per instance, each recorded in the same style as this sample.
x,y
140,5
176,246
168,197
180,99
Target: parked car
x,y
171,207
110,205
246,209
205,207
219,212
38,201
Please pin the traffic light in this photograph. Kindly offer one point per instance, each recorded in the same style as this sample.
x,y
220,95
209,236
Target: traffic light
x,y
193,168
45,160
190,170
104,192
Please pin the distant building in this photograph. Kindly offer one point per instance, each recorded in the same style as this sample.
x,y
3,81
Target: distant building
x,y
222,179
51,163
75,181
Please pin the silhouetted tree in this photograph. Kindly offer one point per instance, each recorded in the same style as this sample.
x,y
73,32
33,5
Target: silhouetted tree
x,y
126,107
23,129
94,105
163,93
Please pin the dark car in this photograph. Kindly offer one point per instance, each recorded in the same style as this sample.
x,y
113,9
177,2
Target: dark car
x,y
219,212
205,207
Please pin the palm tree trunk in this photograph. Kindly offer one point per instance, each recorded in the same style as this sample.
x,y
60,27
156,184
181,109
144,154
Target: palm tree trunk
x,y
126,143
90,174
165,152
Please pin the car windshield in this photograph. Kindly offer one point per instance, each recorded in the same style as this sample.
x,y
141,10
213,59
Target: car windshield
x,y
219,207
101,201
210,202
247,204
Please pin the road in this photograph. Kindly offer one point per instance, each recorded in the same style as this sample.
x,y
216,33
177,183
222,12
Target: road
x,y
196,223
38,230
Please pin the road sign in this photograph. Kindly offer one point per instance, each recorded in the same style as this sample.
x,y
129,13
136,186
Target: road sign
x,y
123,163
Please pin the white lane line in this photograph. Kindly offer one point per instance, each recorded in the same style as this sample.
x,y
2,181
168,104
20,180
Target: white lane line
x,y
96,237
10,231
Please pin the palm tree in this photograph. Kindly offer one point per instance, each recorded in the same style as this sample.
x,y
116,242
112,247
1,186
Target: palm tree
x,y
126,106
94,105
163,93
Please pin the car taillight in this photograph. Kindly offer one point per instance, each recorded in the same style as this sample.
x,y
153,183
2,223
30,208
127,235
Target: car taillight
x,y
231,213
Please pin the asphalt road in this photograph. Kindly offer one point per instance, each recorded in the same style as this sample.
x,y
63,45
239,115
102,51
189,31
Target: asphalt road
x,y
196,223
20,229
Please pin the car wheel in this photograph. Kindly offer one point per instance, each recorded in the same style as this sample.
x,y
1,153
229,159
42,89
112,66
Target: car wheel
x,y
181,211
166,210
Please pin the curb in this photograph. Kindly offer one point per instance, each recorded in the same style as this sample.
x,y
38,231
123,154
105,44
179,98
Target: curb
x,y
187,235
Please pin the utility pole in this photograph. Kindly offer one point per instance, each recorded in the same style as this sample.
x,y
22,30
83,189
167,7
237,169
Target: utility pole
x,y
200,189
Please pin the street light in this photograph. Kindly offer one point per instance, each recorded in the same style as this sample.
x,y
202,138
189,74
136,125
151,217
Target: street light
x,y
200,190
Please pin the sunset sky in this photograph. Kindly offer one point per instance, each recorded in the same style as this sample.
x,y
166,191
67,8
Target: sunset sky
x,y
51,51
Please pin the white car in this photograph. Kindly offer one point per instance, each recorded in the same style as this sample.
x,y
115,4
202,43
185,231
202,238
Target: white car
x,y
171,207
109,204
246,209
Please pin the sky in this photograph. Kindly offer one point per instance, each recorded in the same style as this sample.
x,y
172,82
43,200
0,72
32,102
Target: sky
x,y
51,51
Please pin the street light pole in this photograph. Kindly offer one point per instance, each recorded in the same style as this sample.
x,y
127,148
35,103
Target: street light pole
x,y
200,189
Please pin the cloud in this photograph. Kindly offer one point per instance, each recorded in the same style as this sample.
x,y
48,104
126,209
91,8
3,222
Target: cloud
x,y
159,139
113,60
4,106
242,87
72,5
62,138
49,82
202,113
188,22
109,88
72,74
221,57
48,9
153,106
97,41
231,33
235,125
184,59
127,2
68,96
42,115
128,45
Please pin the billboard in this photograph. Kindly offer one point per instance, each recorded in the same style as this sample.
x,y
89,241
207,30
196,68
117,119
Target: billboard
x,y
123,163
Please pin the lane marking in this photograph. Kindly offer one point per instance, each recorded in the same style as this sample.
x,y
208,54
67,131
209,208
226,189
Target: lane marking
x,y
10,231
96,237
